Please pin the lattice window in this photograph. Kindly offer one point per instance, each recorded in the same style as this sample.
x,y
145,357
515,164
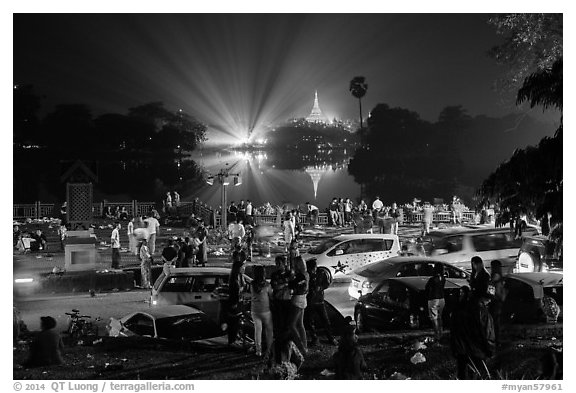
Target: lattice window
x,y
79,197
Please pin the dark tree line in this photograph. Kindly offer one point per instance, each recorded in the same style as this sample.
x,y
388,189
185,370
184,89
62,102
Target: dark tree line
x,y
532,179
72,128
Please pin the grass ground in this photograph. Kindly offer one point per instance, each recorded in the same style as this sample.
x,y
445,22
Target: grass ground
x,y
129,359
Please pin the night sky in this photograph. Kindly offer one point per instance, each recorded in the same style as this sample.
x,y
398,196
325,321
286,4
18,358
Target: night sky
x,y
236,72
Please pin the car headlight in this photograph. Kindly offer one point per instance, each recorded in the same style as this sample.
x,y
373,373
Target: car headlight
x,y
366,284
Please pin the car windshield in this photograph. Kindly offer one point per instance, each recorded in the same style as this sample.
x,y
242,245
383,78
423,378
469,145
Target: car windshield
x,y
374,269
324,246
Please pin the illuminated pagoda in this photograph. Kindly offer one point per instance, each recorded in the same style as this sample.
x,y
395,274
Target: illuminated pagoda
x,y
316,116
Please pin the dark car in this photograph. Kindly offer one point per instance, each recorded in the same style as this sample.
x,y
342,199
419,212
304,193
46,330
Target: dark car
x,y
402,303
176,322
532,297
538,254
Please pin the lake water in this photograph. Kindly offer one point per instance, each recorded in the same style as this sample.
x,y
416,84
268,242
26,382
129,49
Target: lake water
x,y
267,176
279,178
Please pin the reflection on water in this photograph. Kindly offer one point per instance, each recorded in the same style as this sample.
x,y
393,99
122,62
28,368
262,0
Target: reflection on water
x,y
267,176
279,177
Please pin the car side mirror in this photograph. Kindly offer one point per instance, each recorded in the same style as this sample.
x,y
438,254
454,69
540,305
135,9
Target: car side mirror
x,y
339,252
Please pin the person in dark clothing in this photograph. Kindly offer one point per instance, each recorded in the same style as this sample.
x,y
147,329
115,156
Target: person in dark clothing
x,y
40,241
236,285
170,253
281,295
349,359
480,279
435,294
497,281
315,308
46,348
202,236
299,286
471,336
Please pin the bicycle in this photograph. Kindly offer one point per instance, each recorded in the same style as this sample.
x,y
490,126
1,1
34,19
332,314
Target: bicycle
x,y
80,326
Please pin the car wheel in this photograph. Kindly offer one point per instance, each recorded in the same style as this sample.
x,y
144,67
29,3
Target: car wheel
x,y
528,262
361,323
327,273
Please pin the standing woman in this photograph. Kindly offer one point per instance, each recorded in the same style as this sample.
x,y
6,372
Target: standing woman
x,y
435,295
260,307
289,231
497,281
145,265
299,286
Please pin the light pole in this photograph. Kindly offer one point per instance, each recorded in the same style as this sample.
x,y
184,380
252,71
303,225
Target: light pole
x,y
223,178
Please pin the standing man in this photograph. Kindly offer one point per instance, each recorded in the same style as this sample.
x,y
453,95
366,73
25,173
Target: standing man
x,y
315,308
427,217
334,211
236,233
249,212
280,301
341,221
395,215
176,199
153,227
202,236
377,205
348,211
115,240
242,210
435,295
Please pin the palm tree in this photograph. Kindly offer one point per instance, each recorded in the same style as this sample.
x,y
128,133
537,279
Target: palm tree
x,y
358,88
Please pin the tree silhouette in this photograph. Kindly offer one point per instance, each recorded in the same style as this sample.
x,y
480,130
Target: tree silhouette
x,y
543,88
358,88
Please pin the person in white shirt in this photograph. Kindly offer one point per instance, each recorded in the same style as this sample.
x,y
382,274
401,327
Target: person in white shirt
x,y
249,212
132,244
377,205
153,227
289,230
115,240
236,233
312,213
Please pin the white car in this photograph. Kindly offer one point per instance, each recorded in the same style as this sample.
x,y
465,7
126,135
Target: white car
x,y
340,255
365,279
458,245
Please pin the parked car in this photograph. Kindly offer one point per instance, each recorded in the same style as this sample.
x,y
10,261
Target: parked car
x,y
459,244
531,297
176,322
364,279
340,255
203,288
401,303
538,254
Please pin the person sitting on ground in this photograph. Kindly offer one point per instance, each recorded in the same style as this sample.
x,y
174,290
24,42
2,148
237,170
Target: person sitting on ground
x,y
39,242
46,347
349,360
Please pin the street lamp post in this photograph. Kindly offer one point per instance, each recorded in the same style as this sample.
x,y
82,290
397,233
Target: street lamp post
x,y
223,178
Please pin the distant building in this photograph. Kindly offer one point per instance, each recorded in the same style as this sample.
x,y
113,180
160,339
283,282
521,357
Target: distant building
x,y
316,116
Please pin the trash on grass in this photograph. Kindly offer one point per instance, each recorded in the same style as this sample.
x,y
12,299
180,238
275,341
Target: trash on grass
x,y
418,358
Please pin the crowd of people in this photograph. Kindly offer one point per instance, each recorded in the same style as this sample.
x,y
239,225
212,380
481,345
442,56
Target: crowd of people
x,y
288,310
